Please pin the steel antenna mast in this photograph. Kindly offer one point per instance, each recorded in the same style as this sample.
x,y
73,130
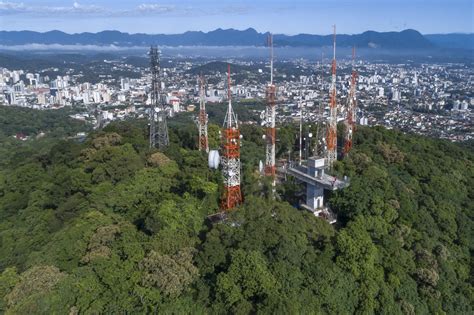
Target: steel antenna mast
x,y
270,135
232,195
351,108
203,119
332,122
154,95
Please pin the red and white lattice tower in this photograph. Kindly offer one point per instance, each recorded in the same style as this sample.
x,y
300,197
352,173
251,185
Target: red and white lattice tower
x,y
202,120
232,195
332,121
270,135
351,108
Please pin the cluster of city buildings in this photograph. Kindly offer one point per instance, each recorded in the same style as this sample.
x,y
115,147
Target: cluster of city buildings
x,y
431,99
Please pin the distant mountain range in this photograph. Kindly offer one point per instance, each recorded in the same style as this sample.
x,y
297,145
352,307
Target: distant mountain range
x,y
407,39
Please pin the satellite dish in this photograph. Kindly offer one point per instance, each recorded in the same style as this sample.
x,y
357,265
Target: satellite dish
x,y
214,159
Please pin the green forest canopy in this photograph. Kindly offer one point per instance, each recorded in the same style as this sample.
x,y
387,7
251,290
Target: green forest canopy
x,y
108,226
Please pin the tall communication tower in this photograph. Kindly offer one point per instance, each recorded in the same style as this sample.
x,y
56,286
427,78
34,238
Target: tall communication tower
x,y
158,133
270,135
351,108
155,70
332,121
320,143
232,195
202,120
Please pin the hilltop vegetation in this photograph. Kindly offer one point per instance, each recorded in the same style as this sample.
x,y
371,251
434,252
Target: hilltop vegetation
x,y
31,122
107,226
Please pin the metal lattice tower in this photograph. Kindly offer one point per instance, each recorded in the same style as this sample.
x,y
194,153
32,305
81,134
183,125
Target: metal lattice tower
x,y
203,119
270,135
351,108
320,143
232,195
158,132
155,70
332,121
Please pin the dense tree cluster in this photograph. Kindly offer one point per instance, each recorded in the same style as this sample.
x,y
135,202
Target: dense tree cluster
x,y
109,226
30,122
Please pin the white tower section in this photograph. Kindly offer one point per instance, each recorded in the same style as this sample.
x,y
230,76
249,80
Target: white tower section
x,y
270,134
231,156
203,119
332,122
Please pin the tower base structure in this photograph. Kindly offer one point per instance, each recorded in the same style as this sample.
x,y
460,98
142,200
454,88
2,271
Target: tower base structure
x,y
317,182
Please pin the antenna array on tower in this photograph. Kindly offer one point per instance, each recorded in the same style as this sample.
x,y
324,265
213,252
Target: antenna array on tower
x,y
351,108
203,119
232,195
332,121
270,135
157,137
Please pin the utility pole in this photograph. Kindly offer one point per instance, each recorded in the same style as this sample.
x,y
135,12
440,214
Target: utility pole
x,y
232,196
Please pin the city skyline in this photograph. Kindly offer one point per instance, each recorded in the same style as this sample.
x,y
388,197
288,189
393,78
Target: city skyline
x,y
314,17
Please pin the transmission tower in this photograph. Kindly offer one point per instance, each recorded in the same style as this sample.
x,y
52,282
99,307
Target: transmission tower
x,y
351,108
320,143
155,70
232,195
332,121
158,132
270,119
202,121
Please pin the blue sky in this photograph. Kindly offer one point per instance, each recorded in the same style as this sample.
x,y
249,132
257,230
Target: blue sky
x,y
289,17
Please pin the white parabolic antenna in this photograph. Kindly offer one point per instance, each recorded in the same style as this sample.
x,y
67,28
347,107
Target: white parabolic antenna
x,y
214,159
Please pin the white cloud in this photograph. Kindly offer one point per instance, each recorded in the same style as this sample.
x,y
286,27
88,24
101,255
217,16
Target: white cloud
x,y
75,9
78,9
154,8
11,6
76,47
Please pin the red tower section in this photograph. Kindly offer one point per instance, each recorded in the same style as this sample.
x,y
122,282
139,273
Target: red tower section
x,y
232,195
270,133
351,109
332,122
202,119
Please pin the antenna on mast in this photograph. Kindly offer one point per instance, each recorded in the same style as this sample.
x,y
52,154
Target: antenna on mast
x,y
351,108
203,119
232,195
332,122
270,134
